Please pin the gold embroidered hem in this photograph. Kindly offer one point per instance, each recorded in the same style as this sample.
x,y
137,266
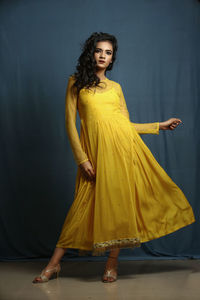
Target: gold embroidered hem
x,y
101,248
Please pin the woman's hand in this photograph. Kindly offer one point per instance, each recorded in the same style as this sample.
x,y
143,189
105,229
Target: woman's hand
x,y
87,170
170,124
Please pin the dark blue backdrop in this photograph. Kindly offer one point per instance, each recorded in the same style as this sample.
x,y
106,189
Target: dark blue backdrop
x,y
158,68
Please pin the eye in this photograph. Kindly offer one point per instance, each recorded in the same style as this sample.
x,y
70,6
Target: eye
x,y
109,53
97,50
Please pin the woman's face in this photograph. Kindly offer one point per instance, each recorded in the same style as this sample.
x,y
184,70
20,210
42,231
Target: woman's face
x,y
103,54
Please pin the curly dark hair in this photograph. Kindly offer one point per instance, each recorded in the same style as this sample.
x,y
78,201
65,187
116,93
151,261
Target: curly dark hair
x,y
85,76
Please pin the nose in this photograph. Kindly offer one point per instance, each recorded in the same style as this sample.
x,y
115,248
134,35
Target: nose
x,y
102,55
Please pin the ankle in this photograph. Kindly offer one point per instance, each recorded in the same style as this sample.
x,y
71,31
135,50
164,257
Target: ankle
x,y
111,263
51,265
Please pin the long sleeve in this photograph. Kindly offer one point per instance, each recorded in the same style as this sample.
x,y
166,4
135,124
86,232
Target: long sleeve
x,y
70,122
141,128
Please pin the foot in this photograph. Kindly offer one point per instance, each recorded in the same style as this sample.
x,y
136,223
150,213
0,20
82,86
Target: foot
x,y
47,273
110,272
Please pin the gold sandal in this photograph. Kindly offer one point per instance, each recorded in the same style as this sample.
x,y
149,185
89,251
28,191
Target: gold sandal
x,y
108,274
45,278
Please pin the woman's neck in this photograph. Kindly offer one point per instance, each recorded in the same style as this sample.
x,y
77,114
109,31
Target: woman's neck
x,y
101,74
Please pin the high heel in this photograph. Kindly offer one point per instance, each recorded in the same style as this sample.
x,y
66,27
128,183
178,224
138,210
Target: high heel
x,y
107,273
44,278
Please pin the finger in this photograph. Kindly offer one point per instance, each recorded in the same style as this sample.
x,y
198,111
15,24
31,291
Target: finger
x,y
92,174
85,174
174,126
92,171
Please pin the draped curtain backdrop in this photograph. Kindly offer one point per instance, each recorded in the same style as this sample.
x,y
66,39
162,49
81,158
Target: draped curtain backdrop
x,y
158,68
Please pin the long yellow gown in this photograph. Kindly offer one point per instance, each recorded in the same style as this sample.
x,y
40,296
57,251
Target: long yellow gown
x,y
132,200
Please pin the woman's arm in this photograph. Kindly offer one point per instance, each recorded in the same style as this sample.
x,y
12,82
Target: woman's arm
x,y
141,128
152,128
70,122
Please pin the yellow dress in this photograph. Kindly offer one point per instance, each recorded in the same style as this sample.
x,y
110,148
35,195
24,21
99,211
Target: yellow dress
x,y
133,200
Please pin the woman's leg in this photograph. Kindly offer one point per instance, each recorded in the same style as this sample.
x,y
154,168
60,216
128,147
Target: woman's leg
x,y
54,260
56,257
111,264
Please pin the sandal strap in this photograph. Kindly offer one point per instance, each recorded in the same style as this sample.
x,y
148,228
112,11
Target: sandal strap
x,y
52,269
107,273
44,278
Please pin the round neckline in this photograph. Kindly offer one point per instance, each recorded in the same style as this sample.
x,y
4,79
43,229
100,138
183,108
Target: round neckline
x,y
104,79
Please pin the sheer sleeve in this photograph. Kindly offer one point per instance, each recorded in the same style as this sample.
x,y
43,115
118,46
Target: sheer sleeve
x,y
70,121
141,128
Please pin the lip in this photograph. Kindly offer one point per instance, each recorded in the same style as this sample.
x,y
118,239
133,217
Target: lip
x,y
101,61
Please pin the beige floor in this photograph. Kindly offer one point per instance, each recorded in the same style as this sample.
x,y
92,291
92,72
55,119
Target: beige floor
x,y
137,280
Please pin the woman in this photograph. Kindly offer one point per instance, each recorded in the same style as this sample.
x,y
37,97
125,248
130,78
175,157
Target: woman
x,y
123,197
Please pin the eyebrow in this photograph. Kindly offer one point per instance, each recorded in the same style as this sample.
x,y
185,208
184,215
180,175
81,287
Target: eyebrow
x,y
106,49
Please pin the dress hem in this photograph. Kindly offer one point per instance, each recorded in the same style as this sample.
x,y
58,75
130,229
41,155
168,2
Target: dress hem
x,y
99,249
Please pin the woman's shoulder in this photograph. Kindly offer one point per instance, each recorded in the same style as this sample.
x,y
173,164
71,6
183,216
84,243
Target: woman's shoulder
x,y
115,83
